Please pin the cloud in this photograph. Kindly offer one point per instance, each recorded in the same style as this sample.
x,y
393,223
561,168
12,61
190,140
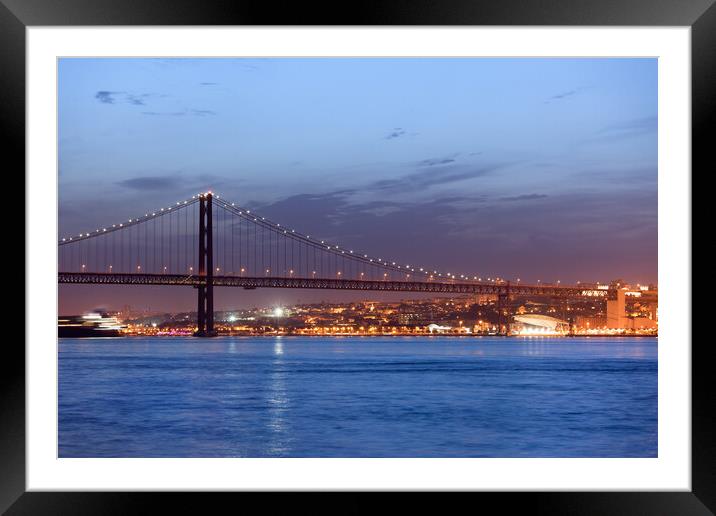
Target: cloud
x,y
376,226
636,126
526,197
176,184
123,97
396,133
639,176
426,178
150,183
107,97
137,100
208,84
164,113
189,112
626,129
563,95
431,162
488,238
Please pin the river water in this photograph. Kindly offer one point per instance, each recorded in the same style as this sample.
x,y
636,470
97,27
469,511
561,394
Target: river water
x,y
358,397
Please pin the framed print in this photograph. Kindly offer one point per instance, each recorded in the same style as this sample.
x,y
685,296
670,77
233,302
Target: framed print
x,y
426,249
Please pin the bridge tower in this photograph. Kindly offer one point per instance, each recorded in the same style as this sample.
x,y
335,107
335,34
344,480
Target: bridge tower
x,y
205,292
503,309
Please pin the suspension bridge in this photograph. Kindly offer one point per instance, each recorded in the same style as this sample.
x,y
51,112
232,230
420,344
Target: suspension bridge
x,y
206,242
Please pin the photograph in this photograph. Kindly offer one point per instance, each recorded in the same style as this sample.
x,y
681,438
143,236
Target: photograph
x,y
357,257
416,247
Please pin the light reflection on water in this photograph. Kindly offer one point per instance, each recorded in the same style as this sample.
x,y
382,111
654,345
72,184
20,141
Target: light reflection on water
x,y
278,404
358,397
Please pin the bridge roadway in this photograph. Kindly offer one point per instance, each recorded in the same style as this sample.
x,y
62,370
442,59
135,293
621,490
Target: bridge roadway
x,y
451,287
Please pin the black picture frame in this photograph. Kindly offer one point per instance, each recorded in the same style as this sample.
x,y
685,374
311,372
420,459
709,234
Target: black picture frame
x,y
16,15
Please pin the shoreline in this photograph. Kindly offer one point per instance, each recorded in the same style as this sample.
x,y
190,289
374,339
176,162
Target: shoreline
x,y
268,335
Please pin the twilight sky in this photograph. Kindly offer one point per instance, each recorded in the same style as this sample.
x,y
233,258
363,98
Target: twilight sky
x,y
532,168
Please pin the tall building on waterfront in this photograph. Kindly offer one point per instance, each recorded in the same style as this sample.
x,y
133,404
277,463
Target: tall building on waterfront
x,y
616,309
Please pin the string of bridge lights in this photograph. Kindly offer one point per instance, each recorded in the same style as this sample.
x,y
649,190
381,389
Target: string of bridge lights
x,y
131,222
291,233
337,249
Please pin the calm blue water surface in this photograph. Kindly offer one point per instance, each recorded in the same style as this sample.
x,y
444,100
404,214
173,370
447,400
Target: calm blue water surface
x,y
358,397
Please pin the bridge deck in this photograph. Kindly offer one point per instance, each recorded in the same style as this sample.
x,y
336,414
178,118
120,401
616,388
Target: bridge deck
x,y
453,287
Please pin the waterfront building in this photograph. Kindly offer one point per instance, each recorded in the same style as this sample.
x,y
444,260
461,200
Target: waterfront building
x,y
529,324
616,309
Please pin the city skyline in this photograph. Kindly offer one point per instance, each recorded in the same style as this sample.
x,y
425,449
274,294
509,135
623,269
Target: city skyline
x,y
532,168
462,315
